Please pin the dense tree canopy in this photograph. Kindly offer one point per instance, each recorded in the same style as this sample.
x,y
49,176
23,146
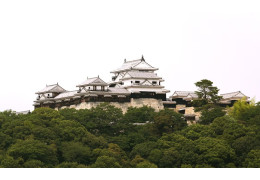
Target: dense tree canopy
x,y
105,137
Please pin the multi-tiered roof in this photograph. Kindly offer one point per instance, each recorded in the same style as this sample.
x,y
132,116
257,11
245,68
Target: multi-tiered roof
x,y
138,76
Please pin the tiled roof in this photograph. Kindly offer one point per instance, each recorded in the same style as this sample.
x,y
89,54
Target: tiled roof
x,y
66,94
184,93
128,64
131,64
237,94
51,88
93,81
138,74
118,91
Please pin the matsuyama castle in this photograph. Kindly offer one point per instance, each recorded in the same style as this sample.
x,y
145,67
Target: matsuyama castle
x,y
134,84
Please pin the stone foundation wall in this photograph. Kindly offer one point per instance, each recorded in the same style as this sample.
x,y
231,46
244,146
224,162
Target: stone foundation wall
x,y
140,102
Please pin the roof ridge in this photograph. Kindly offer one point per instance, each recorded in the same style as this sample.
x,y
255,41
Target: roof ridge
x,y
93,78
132,61
51,85
69,91
232,92
185,91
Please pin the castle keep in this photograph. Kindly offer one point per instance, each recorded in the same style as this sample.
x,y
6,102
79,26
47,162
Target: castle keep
x,y
134,84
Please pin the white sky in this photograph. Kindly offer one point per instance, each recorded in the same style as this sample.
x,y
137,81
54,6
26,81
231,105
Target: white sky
x,y
50,41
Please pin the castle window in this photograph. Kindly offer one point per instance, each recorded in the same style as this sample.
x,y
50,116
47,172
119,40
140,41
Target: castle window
x,y
154,82
102,88
48,95
94,88
137,82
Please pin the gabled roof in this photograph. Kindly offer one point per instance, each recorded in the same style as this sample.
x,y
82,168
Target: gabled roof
x,y
138,74
146,83
231,95
135,64
96,81
51,88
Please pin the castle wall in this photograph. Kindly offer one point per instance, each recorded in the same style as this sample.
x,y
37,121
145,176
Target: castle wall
x,y
157,104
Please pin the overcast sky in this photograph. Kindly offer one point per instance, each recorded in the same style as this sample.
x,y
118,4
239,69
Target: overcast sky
x,y
45,42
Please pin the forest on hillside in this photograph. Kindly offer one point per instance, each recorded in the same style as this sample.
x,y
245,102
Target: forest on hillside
x,y
104,137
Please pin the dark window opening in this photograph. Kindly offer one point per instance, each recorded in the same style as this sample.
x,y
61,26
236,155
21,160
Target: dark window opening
x,y
154,82
137,82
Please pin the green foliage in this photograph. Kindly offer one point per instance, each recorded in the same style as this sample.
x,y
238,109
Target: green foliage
x,y
46,114
206,92
168,121
209,113
10,162
139,115
214,152
33,149
143,149
75,152
33,164
104,137
71,165
146,164
195,131
253,159
106,162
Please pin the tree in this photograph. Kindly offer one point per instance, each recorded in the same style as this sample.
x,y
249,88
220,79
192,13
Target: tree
x,y
143,149
168,121
139,115
244,111
214,152
106,162
253,159
105,116
33,164
71,165
146,164
33,149
206,92
176,143
171,158
115,152
75,152
209,113
10,162
5,140
195,131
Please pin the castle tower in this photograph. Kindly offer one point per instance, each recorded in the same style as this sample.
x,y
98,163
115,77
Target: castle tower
x,y
139,78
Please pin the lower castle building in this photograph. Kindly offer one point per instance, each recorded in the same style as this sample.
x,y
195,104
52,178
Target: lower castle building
x,y
134,84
